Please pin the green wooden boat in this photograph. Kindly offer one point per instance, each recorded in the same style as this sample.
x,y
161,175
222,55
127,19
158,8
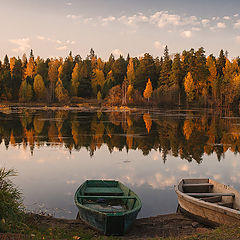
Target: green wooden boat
x,y
107,205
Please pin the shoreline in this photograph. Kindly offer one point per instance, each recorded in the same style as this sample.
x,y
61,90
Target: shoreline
x,y
160,226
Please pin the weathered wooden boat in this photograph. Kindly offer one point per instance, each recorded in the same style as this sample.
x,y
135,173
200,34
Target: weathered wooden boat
x,y
209,201
107,205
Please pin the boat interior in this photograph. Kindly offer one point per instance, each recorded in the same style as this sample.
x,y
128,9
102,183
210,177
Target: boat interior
x,y
209,191
107,196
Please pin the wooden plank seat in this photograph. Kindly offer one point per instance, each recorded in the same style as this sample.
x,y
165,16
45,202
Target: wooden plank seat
x,y
113,191
107,197
197,185
200,195
226,204
213,199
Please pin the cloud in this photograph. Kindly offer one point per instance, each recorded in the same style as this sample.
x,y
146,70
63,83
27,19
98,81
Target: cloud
x,y
117,52
23,44
107,20
237,24
205,22
236,15
196,29
41,38
186,34
62,48
226,18
221,25
158,45
68,3
74,16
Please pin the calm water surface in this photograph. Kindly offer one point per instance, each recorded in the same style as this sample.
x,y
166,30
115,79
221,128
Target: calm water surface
x,y
55,151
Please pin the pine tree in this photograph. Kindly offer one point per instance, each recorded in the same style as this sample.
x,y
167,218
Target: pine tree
x,y
164,78
148,90
97,81
212,78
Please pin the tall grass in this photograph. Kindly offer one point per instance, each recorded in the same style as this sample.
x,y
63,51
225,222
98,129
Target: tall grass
x,y
11,207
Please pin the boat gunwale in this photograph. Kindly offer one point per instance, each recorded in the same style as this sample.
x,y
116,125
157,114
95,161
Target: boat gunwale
x,y
212,206
138,208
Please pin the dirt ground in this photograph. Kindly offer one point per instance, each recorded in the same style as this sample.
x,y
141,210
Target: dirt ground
x,y
169,225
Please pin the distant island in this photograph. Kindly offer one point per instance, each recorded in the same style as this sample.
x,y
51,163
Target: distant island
x,y
190,78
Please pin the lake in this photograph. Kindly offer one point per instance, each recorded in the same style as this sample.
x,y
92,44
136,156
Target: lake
x,y
54,151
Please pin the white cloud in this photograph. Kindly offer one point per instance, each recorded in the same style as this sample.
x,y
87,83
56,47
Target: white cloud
x,y
68,3
107,20
41,38
62,48
186,34
226,18
205,22
23,44
163,18
196,29
73,16
221,25
117,52
158,45
236,15
237,24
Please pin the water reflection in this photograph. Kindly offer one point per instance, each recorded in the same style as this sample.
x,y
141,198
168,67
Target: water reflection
x,y
188,135
148,151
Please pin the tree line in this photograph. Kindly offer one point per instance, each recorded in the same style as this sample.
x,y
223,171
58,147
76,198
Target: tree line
x,y
186,78
188,137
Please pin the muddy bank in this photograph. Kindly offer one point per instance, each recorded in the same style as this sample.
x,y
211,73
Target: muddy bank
x,y
169,225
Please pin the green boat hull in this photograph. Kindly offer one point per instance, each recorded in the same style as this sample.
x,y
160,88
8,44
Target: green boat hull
x,y
106,220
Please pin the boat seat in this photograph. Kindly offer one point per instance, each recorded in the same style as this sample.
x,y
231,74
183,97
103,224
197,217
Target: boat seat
x,y
107,197
213,199
226,204
200,195
103,191
197,187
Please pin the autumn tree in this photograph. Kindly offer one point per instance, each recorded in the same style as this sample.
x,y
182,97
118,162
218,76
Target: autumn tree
x,y
25,92
53,66
148,90
75,80
130,72
97,81
189,87
212,78
39,87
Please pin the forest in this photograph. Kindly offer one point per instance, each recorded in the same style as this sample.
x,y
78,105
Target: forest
x,y
189,78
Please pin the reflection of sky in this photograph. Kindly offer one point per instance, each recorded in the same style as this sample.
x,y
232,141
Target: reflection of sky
x,y
51,176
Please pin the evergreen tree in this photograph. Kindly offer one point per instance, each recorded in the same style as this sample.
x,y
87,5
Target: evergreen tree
x,y
164,78
146,69
221,61
25,92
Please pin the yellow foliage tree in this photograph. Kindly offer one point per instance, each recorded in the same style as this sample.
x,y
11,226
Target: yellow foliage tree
x,y
189,87
39,87
148,90
97,80
130,72
75,80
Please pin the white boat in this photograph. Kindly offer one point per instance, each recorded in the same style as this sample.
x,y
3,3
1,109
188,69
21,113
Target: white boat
x,y
209,201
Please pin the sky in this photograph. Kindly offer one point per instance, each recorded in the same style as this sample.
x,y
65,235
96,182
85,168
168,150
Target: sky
x,y
53,28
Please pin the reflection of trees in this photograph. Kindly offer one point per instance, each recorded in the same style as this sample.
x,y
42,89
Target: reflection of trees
x,y
189,137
